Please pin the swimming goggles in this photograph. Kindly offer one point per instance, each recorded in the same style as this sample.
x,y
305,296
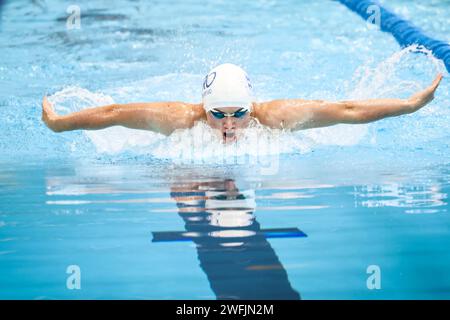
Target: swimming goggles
x,y
220,115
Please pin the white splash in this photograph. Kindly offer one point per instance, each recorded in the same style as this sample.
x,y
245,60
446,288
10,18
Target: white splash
x,y
383,80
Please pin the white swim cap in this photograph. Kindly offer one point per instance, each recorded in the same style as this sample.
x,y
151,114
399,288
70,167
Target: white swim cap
x,y
227,85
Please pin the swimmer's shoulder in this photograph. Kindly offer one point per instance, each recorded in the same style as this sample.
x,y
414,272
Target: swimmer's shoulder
x,y
198,112
273,113
265,111
179,115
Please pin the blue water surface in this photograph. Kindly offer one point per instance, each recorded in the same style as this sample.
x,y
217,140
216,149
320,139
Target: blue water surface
x,y
304,215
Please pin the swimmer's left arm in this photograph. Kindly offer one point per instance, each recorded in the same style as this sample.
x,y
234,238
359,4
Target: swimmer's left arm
x,y
296,114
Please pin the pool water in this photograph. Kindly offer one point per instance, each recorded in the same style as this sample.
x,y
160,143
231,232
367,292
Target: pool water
x,y
304,215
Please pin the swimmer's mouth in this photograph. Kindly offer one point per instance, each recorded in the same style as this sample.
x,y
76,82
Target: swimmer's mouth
x,y
229,136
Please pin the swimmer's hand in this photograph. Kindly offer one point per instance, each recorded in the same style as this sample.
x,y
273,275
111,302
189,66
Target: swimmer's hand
x,y
422,98
49,116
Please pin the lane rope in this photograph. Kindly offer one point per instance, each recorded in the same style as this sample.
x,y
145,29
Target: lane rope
x,y
403,30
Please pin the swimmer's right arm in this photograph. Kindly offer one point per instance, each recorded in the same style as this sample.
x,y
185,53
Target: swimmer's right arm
x,y
162,117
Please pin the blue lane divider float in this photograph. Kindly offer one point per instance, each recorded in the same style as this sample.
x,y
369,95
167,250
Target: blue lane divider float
x,y
403,31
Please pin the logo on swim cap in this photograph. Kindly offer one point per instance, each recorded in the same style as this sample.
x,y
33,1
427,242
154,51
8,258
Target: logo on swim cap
x,y
227,85
209,79
248,82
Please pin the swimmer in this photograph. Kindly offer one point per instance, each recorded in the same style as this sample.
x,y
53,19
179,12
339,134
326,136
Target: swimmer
x,y
229,107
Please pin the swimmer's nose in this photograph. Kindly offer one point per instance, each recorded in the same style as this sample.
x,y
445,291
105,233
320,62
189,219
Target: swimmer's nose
x,y
229,123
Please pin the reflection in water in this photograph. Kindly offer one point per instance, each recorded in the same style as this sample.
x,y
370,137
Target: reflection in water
x,y
232,248
120,205
423,198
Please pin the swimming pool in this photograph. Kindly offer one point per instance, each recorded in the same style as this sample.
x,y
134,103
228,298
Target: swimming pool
x,y
311,214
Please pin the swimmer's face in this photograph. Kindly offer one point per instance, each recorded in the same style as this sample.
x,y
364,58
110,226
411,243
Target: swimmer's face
x,y
228,127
